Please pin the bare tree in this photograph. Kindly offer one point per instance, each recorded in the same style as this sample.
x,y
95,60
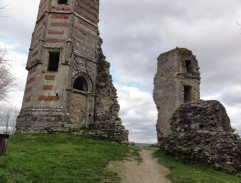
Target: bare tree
x,y
8,117
6,77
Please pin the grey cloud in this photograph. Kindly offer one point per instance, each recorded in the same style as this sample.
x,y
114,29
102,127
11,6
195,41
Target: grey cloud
x,y
232,97
138,113
135,32
148,28
19,22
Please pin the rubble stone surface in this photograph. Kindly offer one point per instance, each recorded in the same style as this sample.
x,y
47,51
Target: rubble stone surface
x,y
107,108
201,132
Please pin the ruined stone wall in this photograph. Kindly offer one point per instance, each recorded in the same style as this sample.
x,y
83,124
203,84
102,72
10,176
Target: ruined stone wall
x,y
175,70
201,132
107,107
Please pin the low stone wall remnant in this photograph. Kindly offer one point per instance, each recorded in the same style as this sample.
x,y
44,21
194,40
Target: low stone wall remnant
x,y
201,132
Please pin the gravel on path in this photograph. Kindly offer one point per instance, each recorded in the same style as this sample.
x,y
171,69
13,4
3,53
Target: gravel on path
x,y
148,171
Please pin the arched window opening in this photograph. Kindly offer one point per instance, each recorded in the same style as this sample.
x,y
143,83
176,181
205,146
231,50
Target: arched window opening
x,y
80,84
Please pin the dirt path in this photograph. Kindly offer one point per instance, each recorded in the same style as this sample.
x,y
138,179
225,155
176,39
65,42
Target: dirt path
x,y
148,171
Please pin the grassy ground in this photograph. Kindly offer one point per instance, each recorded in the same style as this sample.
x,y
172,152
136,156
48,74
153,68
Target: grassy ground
x,y
60,158
66,158
183,173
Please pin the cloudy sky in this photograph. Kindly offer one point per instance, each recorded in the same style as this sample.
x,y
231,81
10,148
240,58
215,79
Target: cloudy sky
x,y
135,32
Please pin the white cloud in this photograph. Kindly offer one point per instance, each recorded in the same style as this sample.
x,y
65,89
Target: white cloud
x,y
135,33
17,25
17,68
234,114
138,113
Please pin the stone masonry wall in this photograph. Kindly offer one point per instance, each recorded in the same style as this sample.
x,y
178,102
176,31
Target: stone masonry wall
x,y
201,132
78,93
173,74
107,108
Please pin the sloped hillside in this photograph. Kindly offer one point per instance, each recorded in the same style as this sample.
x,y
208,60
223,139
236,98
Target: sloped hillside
x,y
59,158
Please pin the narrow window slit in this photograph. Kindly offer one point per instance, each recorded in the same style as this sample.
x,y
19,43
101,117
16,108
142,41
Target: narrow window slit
x,y
63,1
53,61
187,93
188,66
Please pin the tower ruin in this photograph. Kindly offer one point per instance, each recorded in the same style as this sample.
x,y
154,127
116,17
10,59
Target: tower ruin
x,y
176,82
69,85
189,128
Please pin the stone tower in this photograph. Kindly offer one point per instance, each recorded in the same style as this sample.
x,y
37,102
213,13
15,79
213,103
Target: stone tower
x,y
176,82
66,71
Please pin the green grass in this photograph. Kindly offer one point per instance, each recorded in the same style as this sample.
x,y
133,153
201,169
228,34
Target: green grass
x,y
60,158
67,158
184,173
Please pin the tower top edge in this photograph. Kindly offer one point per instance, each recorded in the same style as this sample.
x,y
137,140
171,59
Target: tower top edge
x,y
176,50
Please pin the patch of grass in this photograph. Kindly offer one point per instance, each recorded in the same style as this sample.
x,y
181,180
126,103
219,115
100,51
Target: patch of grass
x,y
58,158
151,148
183,173
135,152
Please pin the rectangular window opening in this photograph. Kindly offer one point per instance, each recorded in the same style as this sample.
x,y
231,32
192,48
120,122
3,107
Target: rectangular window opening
x,y
187,93
53,61
188,66
63,1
